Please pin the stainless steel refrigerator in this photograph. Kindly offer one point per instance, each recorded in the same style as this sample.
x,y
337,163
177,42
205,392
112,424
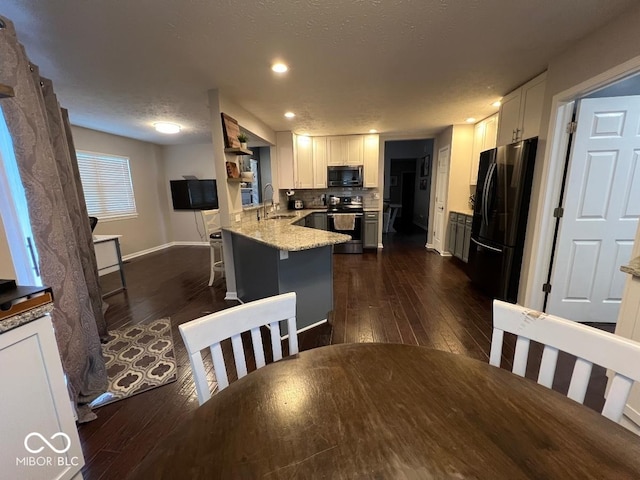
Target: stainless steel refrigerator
x,y
500,217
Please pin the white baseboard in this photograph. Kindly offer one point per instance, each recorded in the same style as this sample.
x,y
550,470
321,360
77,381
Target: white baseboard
x,y
429,246
131,256
380,246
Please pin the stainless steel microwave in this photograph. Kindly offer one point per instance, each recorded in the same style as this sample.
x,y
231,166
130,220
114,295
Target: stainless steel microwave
x,y
344,176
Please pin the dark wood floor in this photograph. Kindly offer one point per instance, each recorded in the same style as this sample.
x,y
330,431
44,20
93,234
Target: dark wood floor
x,y
403,294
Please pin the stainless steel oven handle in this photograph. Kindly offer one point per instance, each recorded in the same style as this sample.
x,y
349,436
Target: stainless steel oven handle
x,y
336,214
486,246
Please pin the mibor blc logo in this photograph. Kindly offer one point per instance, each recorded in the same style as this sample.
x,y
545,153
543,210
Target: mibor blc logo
x,y
36,443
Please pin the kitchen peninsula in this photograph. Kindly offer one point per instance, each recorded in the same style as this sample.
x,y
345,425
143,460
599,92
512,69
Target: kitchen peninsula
x,y
276,256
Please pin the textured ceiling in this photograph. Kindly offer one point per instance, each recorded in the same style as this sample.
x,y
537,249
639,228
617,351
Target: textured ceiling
x,y
401,66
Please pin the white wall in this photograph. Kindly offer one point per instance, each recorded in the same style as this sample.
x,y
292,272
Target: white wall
x,y
182,160
604,49
149,229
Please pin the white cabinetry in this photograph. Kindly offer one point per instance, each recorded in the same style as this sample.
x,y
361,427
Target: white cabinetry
x,y
484,138
370,160
521,112
345,150
35,403
284,153
303,162
319,162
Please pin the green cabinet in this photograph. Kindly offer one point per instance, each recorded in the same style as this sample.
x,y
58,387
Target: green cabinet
x,y
370,237
319,220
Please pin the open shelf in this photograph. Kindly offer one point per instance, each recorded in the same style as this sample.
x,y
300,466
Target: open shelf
x,y
6,91
234,180
238,151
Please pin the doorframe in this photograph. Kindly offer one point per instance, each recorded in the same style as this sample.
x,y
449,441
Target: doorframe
x,y
553,165
434,183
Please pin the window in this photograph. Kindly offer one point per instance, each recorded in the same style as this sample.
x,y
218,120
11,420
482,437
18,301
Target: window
x,y
106,181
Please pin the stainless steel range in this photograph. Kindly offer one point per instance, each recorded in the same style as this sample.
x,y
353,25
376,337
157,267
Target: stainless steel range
x,y
345,215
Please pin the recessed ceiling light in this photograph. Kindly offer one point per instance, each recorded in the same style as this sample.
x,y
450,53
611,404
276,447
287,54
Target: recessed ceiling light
x,y
279,67
496,104
373,130
166,127
289,114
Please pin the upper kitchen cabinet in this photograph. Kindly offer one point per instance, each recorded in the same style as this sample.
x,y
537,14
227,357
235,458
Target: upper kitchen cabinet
x,y
285,159
319,162
521,111
301,161
484,138
370,160
345,150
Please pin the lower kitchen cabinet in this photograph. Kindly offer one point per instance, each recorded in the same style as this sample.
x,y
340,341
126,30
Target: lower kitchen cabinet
x,y
319,221
459,235
370,238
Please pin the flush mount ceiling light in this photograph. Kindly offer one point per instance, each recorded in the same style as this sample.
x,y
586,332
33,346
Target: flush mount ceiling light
x,y
470,120
496,104
373,130
289,114
166,127
279,67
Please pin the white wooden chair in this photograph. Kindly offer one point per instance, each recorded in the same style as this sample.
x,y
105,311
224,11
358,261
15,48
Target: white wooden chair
x,y
588,344
210,330
211,221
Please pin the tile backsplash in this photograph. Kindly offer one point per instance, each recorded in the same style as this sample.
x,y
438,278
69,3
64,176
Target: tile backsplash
x,y
313,198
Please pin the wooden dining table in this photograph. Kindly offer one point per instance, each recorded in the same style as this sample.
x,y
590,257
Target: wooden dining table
x,y
391,411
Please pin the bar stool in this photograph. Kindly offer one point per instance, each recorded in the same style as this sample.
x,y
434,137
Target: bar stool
x,y
211,220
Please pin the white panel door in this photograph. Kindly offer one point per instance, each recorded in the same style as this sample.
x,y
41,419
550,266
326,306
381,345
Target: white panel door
x,y
601,211
439,218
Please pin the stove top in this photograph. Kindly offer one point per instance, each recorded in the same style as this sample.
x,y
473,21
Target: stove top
x,y
345,204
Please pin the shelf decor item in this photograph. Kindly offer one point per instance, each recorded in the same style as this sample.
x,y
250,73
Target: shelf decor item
x,y
230,130
232,170
242,138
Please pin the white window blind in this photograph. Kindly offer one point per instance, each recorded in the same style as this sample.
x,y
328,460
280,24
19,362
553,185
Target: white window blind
x,y
106,181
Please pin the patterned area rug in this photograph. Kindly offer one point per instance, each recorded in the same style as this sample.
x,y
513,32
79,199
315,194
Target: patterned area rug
x,y
138,358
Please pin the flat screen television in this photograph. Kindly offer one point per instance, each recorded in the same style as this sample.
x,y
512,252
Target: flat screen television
x,y
194,194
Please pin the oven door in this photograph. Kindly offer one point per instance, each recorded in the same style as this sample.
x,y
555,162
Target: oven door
x,y
355,244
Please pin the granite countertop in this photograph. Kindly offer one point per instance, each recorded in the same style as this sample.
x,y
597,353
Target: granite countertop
x,y
22,305
283,235
633,268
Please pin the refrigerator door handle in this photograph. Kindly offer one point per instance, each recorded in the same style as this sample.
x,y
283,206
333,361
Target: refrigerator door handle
x,y
499,250
485,194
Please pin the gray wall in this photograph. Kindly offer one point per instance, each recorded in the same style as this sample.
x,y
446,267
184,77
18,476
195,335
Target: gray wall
x,y
149,229
179,160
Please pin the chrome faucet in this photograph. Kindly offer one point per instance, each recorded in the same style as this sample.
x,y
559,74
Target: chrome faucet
x,y
264,199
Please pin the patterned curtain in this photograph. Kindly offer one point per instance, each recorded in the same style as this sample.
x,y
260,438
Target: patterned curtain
x,y
48,169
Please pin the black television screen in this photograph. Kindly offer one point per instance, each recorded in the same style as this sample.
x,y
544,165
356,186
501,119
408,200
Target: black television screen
x,y
194,194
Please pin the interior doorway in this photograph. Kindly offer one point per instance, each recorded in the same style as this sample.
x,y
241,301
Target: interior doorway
x,y
620,82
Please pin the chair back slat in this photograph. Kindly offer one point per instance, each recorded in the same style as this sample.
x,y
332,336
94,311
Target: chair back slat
x,y
219,367
495,356
548,366
258,351
274,328
210,330
580,380
293,339
521,356
238,355
211,220
200,375
588,344
619,391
